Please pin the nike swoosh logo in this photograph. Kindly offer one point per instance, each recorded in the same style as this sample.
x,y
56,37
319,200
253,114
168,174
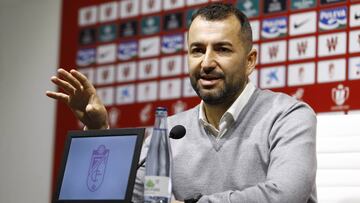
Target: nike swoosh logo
x,y
147,47
357,16
104,54
297,25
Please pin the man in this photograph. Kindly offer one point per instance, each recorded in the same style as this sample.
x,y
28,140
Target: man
x,y
242,144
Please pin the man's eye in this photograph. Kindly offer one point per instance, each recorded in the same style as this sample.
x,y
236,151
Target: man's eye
x,y
197,50
224,49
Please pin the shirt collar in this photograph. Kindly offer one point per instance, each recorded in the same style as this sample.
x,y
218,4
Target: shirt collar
x,y
235,108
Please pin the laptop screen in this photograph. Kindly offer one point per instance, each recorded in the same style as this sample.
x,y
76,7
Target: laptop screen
x,y
100,166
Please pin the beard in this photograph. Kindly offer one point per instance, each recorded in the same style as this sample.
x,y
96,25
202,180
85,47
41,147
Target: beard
x,y
217,95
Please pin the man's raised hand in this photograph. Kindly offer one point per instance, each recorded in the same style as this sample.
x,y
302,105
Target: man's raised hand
x,y
80,95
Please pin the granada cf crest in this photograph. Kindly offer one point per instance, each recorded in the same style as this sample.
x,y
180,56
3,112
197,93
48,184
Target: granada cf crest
x,y
97,168
340,94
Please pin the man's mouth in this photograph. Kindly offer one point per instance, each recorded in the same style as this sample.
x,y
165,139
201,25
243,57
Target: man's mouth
x,y
209,80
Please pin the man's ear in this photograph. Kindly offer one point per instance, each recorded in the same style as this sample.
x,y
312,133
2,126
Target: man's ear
x,y
251,61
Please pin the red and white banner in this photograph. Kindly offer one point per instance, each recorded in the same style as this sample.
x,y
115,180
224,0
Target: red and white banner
x,y
134,52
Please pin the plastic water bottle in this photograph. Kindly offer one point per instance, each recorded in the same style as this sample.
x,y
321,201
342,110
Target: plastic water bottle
x,y
158,162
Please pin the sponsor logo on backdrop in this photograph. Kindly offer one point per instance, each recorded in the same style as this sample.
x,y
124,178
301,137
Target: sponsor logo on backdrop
x,y
188,91
249,7
173,4
354,68
125,94
170,89
128,29
355,15
107,33
298,94
302,48
126,72
129,8
150,25
173,21
179,106
150,6
302,4
195,2
255,26
273,77
149,47
331,1
106,53
87,16
272,52
332,44
127,50
145,113
331,71
171,66
172,43
85,57
274,27
114,116
339,95
272,6
87,36
302,23
301,74
108,11
332,19
148,69
106,95
88,73
105,75
354,41
97,168
147,91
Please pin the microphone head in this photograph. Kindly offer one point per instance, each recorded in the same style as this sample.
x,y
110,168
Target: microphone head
x,y
177,132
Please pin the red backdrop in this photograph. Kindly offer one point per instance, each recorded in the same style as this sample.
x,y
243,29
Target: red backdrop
x,y
134,52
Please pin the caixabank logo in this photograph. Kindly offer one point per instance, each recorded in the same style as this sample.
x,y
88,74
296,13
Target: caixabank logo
x,y
331,19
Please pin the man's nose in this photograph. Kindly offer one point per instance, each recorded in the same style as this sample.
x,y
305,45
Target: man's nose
x,y
208,62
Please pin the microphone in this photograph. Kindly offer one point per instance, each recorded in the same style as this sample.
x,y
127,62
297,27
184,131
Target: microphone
x,y
177,132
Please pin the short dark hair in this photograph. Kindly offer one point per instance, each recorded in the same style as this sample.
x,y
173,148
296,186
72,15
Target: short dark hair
x,y
221,11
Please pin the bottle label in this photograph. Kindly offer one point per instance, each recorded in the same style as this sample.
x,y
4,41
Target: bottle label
x,y
157,186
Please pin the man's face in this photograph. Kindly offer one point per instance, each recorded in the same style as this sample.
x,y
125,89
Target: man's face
x,y
218,63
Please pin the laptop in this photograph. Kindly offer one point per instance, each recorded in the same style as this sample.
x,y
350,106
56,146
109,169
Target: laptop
x,y
99,166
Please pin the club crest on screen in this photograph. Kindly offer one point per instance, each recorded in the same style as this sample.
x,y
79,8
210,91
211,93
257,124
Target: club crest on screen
x,y
97,168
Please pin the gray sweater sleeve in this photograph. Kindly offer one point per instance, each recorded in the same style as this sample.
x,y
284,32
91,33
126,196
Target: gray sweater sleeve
x,y
292,167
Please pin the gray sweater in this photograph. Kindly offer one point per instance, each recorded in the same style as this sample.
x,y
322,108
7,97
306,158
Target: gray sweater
x,y
267,155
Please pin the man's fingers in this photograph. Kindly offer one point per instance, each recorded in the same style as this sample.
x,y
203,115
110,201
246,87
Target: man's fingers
x,y
63,85
70,79
82,78
58,96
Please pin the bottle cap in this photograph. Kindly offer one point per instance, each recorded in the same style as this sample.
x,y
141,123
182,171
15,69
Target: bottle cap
x,y
161,108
